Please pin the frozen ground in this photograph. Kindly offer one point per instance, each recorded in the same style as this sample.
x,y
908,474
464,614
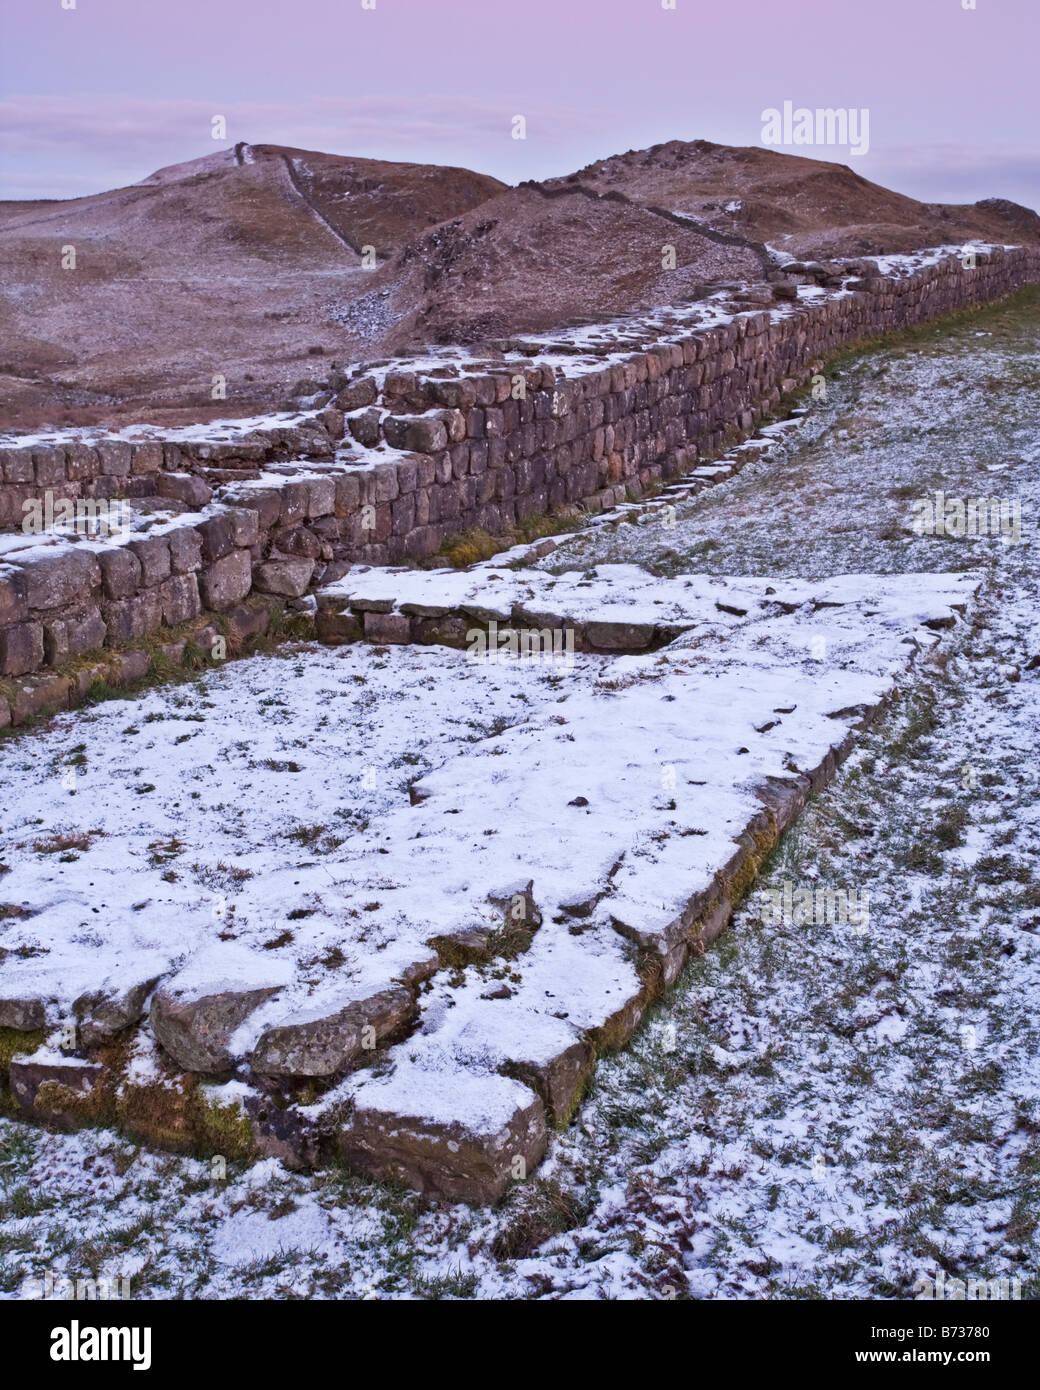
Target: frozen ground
x,y
816,1111
288,848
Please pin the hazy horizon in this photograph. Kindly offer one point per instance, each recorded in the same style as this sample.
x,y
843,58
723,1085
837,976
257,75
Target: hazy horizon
x,y
101,95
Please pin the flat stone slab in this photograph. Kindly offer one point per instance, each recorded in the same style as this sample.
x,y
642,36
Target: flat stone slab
x,y
328,1043
62,1080
581,825
618,608
461,1136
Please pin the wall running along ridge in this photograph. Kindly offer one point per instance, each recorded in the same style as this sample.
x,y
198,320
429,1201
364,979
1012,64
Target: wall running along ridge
x,y
463,453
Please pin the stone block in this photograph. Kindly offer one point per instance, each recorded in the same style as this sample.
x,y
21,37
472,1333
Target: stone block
x,y
115,459
456,1136
186,488
21,648
185,550
387,629
146,457
154,555
121,572
289,577
130,619
13,605
59,579
179,597
49,467
64,639
227,581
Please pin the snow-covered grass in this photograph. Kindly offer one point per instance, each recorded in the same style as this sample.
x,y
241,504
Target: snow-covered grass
x,y
816,1111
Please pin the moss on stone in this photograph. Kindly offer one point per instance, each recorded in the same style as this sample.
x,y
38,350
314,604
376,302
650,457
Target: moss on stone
x,y
222,1128
70,1108
14,1042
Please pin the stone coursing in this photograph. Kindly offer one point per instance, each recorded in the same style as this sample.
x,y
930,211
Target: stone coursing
x,y
484,450
87,469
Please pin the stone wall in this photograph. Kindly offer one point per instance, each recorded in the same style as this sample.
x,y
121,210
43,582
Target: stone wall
x,y
84,467
426,453
477,457
62,603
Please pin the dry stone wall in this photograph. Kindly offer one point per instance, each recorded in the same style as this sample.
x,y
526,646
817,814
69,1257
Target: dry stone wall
x,y
181,469
407,456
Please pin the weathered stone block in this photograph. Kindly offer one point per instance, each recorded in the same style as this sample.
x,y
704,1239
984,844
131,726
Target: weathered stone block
x,y
321,497
365,427
121,572
179,596
21,648
49,467
18,466
329,1046
68,638
226,582
442,631
25,1015
620,636
336,629
186,488
294,498
402,514
387,629
218,537
104,1013
289,577
465,1138
13,605
41,1086
115,458
245,525
196,1030
42,694
146,457
154,555
358,394
348,494
459,394
57,580
128,619
185,550
385,482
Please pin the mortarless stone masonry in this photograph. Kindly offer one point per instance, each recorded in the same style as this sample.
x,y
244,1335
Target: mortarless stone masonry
x,y
463,453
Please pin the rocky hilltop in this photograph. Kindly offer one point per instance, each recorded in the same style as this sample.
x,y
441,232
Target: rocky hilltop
x,y
235,272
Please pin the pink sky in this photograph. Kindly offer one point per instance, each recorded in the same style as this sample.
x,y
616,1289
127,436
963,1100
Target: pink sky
x,y
100,95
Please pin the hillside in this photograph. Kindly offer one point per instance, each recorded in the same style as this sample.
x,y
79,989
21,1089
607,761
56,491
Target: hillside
x,y
247,264
808,207
532,259
220,265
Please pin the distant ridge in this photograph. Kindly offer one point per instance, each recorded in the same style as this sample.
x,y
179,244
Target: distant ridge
x,y
245,263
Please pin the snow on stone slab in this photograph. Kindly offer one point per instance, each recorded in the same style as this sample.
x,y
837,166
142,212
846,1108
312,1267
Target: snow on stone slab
x,y
627,593
477,1103
225,965
207,432
452,1133
287,848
